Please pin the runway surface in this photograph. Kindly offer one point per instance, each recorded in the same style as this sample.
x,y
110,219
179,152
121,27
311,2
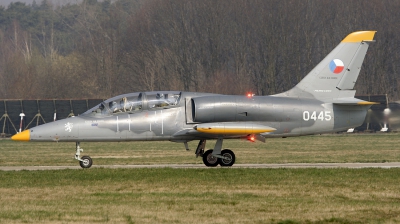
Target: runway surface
x,y
201,166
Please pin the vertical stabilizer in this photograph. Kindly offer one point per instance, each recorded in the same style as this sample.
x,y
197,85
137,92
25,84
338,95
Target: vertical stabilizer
x,y
336,75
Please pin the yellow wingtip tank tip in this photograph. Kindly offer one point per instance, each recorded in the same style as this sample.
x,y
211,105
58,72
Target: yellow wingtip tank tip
x,y
22,136
360,36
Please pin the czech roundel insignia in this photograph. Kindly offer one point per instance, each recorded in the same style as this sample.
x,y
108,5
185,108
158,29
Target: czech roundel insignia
x,y
336,66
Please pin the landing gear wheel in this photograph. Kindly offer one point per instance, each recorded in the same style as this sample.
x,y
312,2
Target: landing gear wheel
x,y
229,158
209,159
86,162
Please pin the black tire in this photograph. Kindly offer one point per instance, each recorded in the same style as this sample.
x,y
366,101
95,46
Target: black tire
x,y
209,159
229,154
86,162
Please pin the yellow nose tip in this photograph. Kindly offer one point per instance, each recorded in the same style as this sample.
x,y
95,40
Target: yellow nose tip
x,y
22,136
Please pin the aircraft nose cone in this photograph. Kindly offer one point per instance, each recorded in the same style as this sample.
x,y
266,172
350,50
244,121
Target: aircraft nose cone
x,y
22,136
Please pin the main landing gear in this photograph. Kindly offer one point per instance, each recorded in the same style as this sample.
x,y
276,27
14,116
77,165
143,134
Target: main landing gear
x,y
84,161
213,157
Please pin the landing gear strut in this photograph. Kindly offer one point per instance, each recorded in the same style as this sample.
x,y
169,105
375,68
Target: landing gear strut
x,y
200,148
84,161
213,157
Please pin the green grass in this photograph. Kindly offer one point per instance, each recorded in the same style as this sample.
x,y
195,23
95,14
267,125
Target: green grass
x,y
201,196
307,149
168,195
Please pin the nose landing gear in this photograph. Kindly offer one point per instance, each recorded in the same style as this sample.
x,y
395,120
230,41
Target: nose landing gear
x,y
84,161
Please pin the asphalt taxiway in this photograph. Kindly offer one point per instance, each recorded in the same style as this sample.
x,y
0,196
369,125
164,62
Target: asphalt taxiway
x,y
201,166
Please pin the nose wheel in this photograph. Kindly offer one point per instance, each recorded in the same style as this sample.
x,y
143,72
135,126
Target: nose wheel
x,y
84,161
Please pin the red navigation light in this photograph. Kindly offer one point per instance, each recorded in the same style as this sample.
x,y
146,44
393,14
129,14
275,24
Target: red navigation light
x,y
250,95
251,138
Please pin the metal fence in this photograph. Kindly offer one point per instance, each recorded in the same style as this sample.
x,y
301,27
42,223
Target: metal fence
x,y
38,112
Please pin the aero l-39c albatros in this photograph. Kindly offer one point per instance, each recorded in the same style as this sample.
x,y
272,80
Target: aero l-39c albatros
x,y
322,102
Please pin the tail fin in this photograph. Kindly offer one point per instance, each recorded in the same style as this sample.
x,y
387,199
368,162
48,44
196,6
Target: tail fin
x,y
336,74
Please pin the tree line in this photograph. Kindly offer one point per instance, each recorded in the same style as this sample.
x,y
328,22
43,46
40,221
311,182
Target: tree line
x,y
98,49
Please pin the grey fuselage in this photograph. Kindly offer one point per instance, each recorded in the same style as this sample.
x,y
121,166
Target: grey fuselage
x,y
144,117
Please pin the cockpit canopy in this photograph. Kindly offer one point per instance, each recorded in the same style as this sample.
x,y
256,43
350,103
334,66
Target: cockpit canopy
x,y
135,102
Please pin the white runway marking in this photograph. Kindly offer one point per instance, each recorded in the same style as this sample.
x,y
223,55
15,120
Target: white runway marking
x,y
201,166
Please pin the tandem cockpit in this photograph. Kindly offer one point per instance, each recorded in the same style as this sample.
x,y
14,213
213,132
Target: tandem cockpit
x,y
136,102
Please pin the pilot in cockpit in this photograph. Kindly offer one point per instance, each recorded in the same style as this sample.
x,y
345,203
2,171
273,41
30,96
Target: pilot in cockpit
x,y
161,101
113,106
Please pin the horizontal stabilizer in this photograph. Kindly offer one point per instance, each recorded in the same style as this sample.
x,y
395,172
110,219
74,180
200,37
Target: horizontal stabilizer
x,y
352,101
236,128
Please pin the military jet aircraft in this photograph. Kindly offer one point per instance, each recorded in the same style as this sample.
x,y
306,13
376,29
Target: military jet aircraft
x,y
322,102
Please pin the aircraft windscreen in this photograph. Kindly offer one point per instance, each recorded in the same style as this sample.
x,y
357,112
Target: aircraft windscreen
x,y
100,109
162,99
135,102
125,103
